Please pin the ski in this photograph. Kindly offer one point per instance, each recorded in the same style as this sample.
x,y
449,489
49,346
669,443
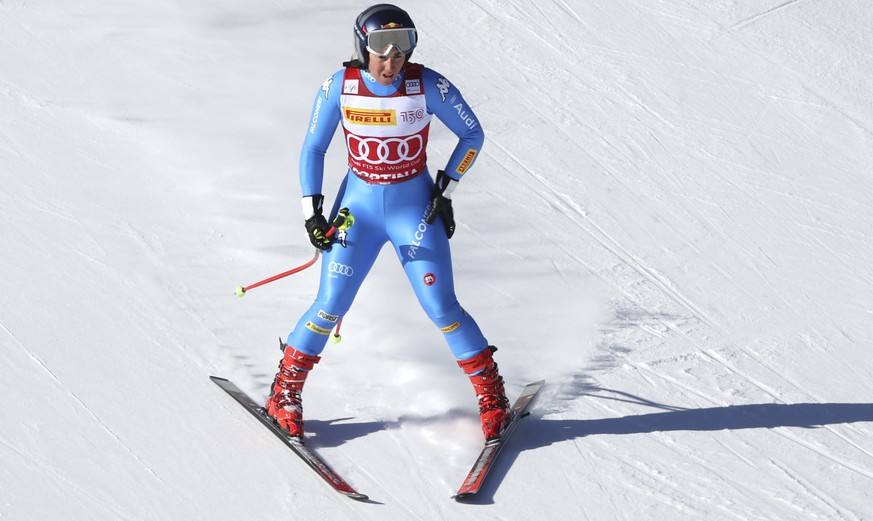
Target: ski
x,y
488,456
295,443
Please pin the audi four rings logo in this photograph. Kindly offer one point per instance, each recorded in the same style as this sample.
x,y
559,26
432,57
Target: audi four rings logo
x,y
340,269
389,151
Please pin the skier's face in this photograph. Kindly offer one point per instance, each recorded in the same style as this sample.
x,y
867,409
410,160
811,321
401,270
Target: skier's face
x,y
386,68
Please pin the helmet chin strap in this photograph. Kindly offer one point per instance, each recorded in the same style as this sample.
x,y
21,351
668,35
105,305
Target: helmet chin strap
x,y
354,63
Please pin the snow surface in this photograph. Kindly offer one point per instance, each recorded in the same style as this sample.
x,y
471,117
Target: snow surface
x,y
670,222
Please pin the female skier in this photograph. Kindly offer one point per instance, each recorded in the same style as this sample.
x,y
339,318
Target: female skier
x,y
385,103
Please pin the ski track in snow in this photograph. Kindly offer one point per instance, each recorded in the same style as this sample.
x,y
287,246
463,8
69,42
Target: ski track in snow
x,y
768,12
60,386
94,503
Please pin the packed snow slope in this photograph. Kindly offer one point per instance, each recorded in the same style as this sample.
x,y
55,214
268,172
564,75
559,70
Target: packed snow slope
x,y
670,222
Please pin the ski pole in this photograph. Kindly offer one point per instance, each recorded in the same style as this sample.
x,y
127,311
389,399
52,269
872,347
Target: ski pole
x,y
241,291
337,338
342,223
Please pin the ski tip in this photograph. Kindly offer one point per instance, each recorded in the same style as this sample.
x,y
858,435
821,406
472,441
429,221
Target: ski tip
x,y
464,496
357,496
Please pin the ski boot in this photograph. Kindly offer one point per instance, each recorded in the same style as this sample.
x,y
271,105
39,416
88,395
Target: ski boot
x,y
488,384
284,404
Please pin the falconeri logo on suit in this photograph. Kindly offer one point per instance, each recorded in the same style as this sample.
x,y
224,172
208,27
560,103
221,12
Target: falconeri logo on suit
x,y
377,117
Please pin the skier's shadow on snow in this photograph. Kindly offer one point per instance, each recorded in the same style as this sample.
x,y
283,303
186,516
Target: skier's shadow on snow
x,y
731,417
537,432
333,433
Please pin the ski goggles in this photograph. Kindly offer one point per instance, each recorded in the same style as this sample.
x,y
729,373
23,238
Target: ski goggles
x,y
381,41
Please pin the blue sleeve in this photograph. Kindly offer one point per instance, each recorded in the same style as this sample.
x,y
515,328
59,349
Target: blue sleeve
x,y
445,102
325,117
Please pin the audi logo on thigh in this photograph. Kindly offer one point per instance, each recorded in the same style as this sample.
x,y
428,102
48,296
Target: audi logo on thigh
x,y
389,151
340,269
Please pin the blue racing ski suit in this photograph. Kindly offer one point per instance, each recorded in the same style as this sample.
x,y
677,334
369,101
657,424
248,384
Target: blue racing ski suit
x,y
388,190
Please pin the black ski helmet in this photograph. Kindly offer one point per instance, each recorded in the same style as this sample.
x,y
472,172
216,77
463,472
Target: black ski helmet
x,y
379,16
